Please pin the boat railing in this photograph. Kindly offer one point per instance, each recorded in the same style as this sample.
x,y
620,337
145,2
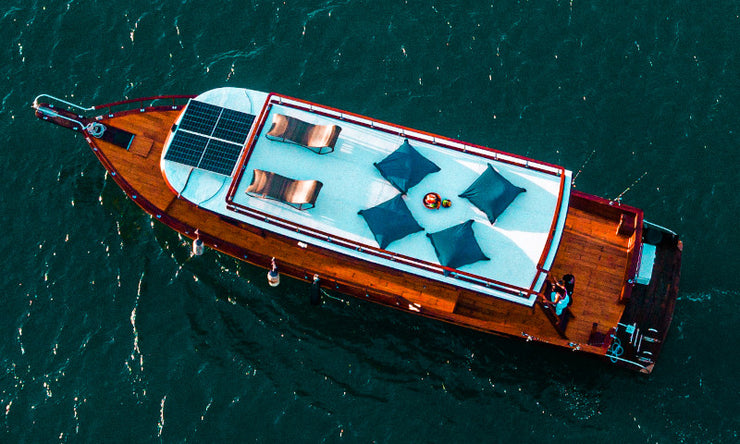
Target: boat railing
x,y
422,136
515,294
49,99
145,104
142,104
512,293
80,118
658,227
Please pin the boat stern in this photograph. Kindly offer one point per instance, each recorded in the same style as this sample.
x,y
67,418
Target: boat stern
x,y
648,313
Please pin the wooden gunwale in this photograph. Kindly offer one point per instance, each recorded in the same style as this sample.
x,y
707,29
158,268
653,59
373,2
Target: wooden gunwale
x,y
273,98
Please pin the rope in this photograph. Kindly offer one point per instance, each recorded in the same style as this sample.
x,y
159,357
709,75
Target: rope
x,y
95,129
615,350
325,293
249,99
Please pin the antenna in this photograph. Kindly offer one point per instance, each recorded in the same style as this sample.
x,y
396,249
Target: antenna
x,y
618,199
573,181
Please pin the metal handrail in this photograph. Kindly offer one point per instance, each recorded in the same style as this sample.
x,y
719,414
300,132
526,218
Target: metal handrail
x,y
94,127
139,101
70,104
401,131
659,227
617,358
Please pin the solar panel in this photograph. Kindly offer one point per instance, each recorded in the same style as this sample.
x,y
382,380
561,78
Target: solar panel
x,y
200,117
209,137
186,148
220,157
233,126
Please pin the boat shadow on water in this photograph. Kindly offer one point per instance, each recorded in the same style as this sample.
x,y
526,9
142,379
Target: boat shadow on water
x,y
398,347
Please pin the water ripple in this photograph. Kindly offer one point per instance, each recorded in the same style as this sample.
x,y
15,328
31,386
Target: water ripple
x,y
94,289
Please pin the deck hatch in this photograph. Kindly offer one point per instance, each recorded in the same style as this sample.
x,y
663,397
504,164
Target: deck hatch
x,y
209,137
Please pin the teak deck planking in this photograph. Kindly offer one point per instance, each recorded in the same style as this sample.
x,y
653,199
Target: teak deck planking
x,y
590,248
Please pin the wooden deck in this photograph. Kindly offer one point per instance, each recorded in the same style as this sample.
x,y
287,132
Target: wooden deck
x,y
590,249
598,257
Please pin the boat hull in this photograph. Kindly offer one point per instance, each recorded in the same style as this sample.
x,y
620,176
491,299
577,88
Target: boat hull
x,y
136,169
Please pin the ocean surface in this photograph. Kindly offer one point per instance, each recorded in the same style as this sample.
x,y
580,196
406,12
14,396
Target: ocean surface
x,y
111,332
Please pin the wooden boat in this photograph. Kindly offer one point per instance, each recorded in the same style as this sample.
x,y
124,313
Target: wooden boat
x,y
353,204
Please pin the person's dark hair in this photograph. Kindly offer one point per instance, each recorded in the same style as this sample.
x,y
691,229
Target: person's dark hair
x,y
570,283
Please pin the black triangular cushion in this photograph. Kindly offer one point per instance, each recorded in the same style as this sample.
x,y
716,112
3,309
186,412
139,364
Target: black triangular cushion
x,y
405,167
456,246
390,221
492,193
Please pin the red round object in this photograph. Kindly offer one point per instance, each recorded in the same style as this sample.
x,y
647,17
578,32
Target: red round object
x,y
432,201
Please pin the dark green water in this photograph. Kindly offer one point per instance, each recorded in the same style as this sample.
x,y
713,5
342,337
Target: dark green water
x,y
112,333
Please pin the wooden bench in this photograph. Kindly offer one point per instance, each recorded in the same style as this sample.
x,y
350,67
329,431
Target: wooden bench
x,y
627,224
